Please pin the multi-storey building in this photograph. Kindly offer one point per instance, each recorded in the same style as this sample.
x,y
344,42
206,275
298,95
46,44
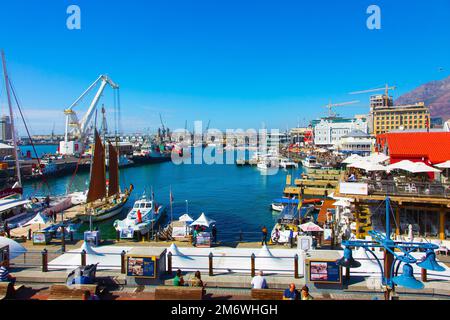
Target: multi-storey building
x,y
329,131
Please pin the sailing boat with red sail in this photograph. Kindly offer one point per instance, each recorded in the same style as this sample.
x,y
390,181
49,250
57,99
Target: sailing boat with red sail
x,y
102,202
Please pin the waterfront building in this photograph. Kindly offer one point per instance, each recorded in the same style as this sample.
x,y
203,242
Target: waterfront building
x,y
385,117
301,135
329,131
429,147
5,129
356,142
6,150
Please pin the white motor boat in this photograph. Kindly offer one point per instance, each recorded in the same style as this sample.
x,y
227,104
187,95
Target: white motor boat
x,y
287,164
311,162
140,219
277,207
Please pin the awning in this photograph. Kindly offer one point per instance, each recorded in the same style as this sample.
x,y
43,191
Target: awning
x,y
203,221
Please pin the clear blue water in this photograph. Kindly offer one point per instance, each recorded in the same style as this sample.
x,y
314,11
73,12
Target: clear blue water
x,y
238,198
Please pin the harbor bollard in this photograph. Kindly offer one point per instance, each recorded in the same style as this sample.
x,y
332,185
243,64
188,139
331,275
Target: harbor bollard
x,y
424,275
169,263
122,262
63,239
83,258
296,276
29,234
211,273
253,264
45,260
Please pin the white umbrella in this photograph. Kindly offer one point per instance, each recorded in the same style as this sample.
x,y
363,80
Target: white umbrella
x,y
445,165
203,221
15,249
405,165
375,167
377,157
422,167
360,164
352,158
186,218
342,203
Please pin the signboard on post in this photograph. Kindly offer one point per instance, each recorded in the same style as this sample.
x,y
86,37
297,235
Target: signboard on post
x,y
304,243
354,188
325,272
141,267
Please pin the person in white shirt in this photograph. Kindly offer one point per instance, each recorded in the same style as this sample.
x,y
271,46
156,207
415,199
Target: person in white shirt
x,y
259,282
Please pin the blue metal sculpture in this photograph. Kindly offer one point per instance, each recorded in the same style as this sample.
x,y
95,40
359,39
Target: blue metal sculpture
x,y
400,252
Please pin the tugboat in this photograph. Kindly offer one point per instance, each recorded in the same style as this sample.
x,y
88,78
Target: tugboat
x,y
144,215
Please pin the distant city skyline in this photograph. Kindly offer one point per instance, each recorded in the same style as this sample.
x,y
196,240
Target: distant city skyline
x,y
236,64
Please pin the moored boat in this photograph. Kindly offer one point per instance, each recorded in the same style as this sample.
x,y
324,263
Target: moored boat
x,y
144,215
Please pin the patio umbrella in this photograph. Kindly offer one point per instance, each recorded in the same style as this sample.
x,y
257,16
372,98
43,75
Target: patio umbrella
x,y
405,165
15,248
342,203
422,167
375,167
377,157
352,158
310,227
203,221
359,164
445,165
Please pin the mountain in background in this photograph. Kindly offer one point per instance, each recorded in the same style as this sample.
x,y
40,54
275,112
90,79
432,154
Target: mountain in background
x,y
435,94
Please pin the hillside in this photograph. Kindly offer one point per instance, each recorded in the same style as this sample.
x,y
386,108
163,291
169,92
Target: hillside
x,y
435,94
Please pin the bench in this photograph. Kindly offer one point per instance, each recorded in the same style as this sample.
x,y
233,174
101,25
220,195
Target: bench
x,y
76,292
267,294
179,293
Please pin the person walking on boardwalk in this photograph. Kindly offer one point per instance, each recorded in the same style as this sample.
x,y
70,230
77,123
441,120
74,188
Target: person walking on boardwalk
x,y
214,234
264,235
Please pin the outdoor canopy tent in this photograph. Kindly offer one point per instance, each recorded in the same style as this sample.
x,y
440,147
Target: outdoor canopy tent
x,y
445,165
203,221
413,167
186,218
377,157
15,249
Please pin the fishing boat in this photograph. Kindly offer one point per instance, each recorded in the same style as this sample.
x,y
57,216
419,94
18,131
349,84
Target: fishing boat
x,y
144,215
311,162
289,219
104,203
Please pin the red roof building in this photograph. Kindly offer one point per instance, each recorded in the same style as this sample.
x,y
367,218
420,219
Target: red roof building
x,y
428,147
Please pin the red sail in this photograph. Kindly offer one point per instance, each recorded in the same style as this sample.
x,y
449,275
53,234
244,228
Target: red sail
x,y
97,186
113,187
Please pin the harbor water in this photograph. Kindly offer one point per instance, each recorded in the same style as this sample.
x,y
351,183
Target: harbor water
x,y
238,198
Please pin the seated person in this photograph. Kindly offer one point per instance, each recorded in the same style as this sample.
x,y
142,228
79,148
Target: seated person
x,y
178,281
5,276
197,280
291,293
259,282
305,294
352,178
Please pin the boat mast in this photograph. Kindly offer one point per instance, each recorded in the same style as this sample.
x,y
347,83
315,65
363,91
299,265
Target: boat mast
x,y
11,115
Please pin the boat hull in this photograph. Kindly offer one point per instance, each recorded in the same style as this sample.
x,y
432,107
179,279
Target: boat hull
x,y
107,214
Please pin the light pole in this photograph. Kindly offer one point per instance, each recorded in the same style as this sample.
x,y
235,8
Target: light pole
x,y
395,254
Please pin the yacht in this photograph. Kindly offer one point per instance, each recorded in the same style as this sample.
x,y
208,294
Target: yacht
x,y
140,219
311,162
287,163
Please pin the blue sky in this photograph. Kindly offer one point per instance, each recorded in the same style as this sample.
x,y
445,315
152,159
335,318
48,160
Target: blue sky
x,y
236,63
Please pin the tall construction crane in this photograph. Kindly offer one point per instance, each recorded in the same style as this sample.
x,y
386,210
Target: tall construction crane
x,y
386,89
330,106
80,130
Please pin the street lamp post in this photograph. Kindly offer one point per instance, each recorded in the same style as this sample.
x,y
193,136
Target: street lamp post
x,y
395,254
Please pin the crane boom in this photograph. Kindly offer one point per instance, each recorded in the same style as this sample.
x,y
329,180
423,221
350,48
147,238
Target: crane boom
x,y
81,128
385,89
331,105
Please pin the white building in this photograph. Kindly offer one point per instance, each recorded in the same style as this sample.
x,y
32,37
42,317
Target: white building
x,y
328,131
356,142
